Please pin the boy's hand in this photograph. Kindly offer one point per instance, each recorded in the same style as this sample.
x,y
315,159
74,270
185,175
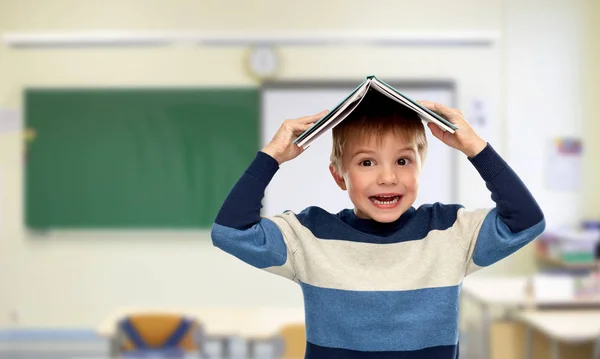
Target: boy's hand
x,y
464,139
281,147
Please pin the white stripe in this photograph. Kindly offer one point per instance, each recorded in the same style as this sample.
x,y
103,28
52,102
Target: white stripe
x,y
438,260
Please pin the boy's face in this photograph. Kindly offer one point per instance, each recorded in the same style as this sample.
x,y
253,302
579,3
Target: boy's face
x,y
381,177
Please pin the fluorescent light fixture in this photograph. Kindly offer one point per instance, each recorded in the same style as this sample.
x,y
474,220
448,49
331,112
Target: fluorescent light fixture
x,y
241,38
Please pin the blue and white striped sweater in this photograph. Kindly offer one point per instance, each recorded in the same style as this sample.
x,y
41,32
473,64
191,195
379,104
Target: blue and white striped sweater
x,y
375,290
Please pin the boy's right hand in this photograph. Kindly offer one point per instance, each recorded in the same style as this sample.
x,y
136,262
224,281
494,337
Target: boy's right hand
x,y
281,147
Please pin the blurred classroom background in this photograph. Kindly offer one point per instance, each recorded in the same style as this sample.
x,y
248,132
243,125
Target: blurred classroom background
x,y
123,124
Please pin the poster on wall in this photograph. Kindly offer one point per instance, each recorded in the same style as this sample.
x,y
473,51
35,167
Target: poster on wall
x,y
10,121
563,165
1,205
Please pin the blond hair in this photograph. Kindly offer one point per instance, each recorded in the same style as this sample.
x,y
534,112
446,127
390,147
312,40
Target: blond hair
x,y
378,121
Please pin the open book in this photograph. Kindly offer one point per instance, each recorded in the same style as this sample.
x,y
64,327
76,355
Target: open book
x,y
345,108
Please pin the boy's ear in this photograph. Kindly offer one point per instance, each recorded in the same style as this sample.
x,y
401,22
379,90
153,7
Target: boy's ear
x,y
339,180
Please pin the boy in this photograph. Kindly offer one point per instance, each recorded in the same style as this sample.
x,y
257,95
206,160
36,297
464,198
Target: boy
x,y
381,280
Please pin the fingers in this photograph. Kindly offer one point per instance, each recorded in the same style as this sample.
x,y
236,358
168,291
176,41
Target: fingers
x,y
449,113
302,124
430,104
296,125
312,118
436,131
299,128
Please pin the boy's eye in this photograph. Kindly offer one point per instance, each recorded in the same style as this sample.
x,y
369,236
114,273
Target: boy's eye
x,y
403,161
366,163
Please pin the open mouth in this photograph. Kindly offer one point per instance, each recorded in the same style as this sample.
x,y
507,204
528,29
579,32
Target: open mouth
x,y
385,200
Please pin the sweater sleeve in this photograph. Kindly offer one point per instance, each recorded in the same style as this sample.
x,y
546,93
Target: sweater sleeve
x,y
491,235
240,230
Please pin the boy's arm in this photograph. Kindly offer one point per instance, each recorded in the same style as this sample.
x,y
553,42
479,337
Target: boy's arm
x,y
490,235
515,205
241,209
266,243
516,220
239,229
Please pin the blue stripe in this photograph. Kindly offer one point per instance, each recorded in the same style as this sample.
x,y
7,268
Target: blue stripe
x,y
426,218
182,330
381,320
496,241
261,245
314,351
132,334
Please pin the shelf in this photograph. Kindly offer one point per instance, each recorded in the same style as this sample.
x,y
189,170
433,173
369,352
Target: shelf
x,y
555,262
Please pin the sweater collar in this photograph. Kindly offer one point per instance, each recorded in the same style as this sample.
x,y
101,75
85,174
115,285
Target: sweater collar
x,y
371,226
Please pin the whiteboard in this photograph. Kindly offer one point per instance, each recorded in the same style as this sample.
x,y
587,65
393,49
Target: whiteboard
x,y
306,180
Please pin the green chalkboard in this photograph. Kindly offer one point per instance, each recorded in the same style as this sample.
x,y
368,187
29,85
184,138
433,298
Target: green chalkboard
x,y
135,158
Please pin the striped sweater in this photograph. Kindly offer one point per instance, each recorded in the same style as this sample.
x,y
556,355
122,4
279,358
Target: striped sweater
x,y
379,290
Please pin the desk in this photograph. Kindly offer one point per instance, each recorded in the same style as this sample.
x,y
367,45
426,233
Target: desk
x,y
486,292
510,293
573,326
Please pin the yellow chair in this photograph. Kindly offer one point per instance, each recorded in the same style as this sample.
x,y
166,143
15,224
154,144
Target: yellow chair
x,y
168,335
293,338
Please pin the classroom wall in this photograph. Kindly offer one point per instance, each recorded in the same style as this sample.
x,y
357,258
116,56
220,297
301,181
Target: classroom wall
x,y
76,278
543,91
591,75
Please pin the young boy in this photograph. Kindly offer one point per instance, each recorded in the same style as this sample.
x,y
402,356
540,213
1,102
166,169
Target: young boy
x,y
381,280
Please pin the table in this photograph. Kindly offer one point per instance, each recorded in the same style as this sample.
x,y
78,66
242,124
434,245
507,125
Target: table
x,y
510,293
572,326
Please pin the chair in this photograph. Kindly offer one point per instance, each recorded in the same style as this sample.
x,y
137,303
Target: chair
x,y
164,335
293,338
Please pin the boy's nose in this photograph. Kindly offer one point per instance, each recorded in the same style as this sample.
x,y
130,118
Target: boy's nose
x,y
387,176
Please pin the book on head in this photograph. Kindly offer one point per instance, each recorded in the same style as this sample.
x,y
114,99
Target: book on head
x,y
370,86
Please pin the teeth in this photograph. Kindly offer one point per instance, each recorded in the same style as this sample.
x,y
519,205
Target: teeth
x,y
392,201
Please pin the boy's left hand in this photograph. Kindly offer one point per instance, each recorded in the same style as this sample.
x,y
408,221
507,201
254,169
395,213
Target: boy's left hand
x,y
464,139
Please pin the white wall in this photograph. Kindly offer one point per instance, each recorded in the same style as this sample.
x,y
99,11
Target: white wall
x,y
590,196
75,279
543,89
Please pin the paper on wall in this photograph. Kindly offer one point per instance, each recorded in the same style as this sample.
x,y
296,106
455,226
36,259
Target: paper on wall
x,y
563,166
1,204
10,121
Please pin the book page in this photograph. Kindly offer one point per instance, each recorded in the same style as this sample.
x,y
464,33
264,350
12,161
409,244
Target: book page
x,y
395,96
429,115
423,114
339,113
358,93
348,110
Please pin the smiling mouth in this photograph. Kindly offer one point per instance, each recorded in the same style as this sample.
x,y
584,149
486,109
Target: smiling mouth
x,y
385,200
